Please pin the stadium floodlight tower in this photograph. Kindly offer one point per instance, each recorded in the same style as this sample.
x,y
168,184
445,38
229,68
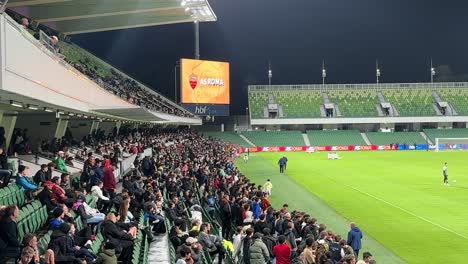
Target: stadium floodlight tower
x,y
197,39
377,71
324,73
433,72
270,73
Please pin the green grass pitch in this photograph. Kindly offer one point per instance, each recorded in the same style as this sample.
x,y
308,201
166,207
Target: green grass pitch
x,y
396,198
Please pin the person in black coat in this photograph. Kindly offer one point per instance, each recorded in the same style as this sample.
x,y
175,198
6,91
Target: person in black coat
x,y
118,236
41,175
3,159
226,215
269,241
46,196
10,246
59,244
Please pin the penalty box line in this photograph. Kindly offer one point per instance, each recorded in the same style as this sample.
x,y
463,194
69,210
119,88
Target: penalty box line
x,y
409,212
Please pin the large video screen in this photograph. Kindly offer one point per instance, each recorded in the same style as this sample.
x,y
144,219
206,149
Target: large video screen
x,y
204,82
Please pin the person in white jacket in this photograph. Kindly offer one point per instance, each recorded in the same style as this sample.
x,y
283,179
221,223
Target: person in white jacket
x,y
103,201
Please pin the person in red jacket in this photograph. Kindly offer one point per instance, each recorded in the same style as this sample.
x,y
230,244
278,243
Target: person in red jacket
x,y
57,191
265,202
282,251
110,185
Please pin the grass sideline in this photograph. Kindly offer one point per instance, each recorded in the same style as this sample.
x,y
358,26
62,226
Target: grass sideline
x,y
395,197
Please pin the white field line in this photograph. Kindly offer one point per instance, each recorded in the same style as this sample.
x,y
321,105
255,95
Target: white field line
x,y
409,212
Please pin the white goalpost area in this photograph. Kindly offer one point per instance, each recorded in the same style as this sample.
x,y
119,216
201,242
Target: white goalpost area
x,y
450,143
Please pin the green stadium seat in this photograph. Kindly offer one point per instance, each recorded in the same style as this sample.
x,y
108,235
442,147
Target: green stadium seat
x,y
383,138
446,133
231,137
354,103
335,138
275,138
457,98
294,103
411,102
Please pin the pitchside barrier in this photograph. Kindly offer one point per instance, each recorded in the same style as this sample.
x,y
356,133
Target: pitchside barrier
x,y
354,148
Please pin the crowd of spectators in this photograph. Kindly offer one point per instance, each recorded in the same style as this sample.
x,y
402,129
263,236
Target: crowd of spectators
x,y
186,172
113,81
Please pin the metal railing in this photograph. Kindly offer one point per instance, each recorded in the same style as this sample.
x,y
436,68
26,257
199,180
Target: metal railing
x,y
365,86
3,4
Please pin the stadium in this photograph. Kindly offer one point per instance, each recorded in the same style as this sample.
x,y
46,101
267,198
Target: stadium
x,y
112,153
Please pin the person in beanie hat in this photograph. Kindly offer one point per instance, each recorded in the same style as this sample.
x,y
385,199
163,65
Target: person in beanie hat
x,y
107,255
367,257
59,244
58,214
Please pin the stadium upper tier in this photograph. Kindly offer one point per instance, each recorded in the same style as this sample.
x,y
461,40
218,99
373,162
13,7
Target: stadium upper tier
x,y
295,104
275,138
411,102
446,133
116,82
382,138
457,97
358,100
359,103
335,138
46,75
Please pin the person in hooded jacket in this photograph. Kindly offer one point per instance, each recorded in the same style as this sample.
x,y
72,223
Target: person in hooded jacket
x,y
107,255
59,244
256,208
258,251
88,214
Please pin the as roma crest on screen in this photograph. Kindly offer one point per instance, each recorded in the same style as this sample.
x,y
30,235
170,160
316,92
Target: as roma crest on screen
x,y
193,81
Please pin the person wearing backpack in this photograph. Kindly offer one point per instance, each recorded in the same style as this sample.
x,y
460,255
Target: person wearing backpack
x,y
291,237
270,241
244,253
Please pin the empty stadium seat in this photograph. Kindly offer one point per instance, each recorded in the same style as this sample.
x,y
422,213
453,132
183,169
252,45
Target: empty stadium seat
x,y
275,138
384,138
335,138
355,103
411,102
446,133
457,98
232,137
294,103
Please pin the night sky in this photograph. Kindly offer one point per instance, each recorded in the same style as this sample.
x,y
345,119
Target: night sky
x,y
295,36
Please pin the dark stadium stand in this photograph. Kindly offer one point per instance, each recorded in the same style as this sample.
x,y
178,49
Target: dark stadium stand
x,y
386,138
446,133
335,138
275,138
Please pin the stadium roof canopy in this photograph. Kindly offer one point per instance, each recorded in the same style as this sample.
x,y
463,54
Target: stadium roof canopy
x,y
85,16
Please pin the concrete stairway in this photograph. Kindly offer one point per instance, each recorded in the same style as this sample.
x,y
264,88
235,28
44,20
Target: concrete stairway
x,y
426,138
366,139
306,140
247,140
